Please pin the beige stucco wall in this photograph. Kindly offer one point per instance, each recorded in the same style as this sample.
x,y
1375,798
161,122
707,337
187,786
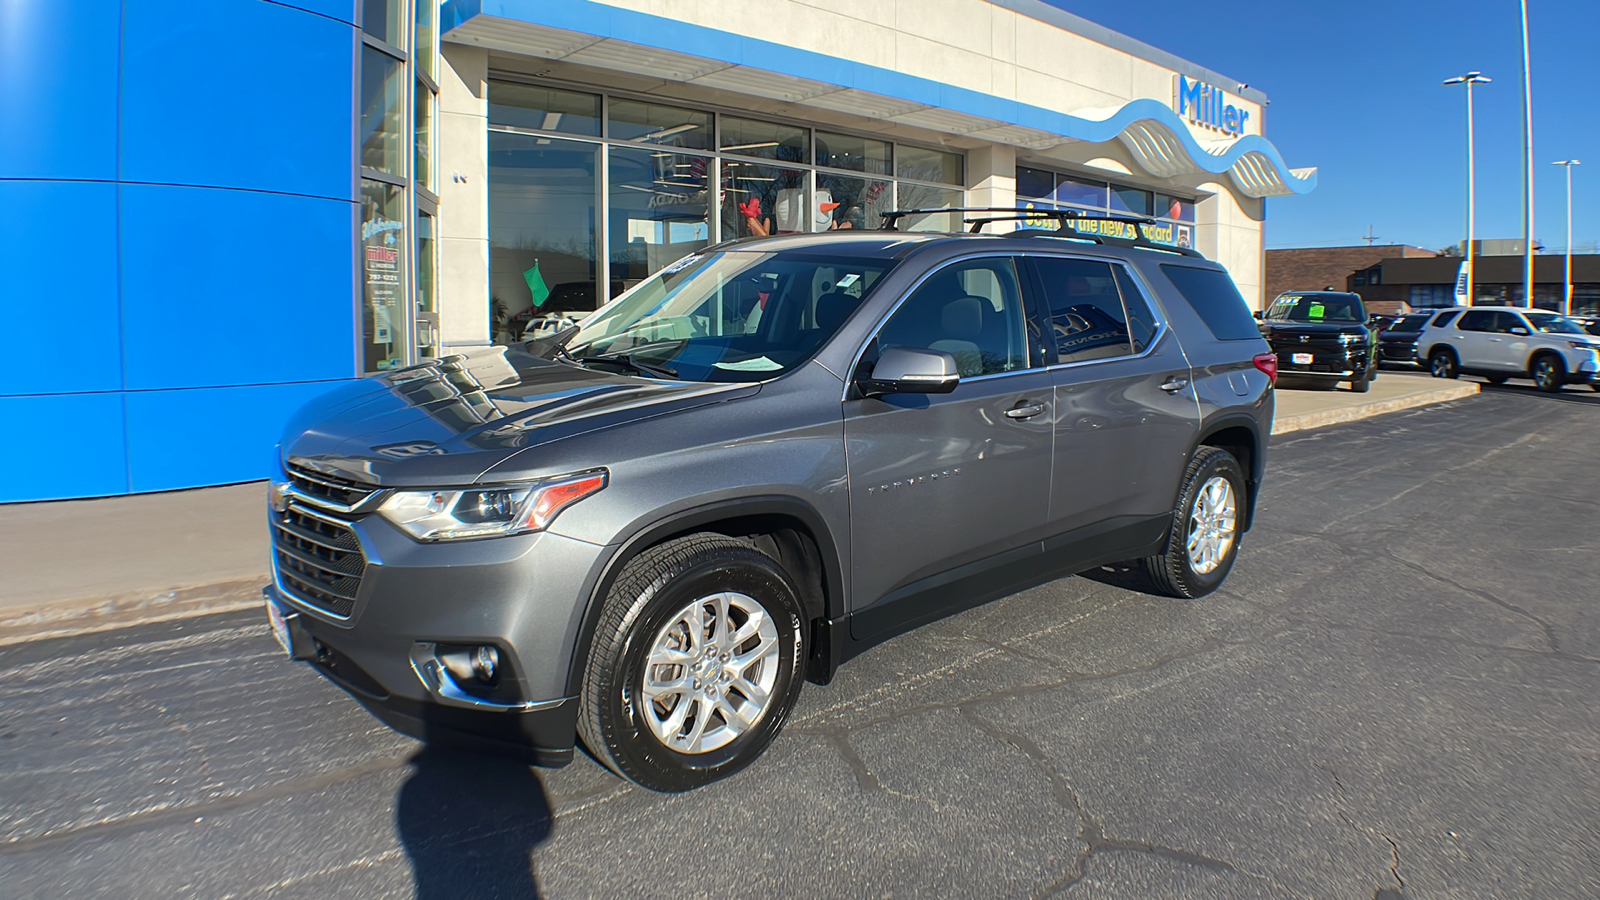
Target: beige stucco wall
x,y
463,196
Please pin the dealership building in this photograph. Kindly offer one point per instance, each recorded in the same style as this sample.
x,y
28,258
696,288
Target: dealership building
x,y
217,210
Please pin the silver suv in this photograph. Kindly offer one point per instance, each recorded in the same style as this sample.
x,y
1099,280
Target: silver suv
x,y
1504,342
648,531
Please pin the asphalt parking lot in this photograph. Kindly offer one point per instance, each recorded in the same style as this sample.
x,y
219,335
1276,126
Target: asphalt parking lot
x,y
1392,697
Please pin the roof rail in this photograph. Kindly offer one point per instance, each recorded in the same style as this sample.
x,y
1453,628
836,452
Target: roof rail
x,y
1065,219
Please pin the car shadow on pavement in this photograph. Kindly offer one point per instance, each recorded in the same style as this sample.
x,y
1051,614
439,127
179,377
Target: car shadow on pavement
x,y
469,823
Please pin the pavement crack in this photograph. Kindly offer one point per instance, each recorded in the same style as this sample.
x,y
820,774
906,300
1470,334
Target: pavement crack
x,y
1091,831
1394,848
866,780
1549,632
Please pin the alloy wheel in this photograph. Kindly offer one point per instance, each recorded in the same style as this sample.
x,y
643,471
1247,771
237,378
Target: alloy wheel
x,y
1213,524
710,673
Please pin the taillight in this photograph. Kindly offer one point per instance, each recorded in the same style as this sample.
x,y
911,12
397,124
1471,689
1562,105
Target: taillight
x,y
1268,363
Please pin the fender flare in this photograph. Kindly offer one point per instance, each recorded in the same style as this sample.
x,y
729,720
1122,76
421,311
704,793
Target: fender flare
x,y
647,534
1258,461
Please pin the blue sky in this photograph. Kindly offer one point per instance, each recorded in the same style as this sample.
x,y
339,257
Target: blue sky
x,y
1355,90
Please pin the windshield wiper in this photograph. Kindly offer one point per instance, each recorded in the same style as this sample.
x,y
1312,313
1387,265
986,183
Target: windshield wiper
x,y
627,360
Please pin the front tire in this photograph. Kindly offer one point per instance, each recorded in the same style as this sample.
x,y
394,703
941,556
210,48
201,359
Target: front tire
x,y
1363,385
1204,536
1548,373
1442,364
696,663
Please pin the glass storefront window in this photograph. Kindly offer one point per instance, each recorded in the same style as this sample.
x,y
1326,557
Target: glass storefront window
x,y
383,266
1080,192
424,138
1131,200
857,202
1035,184
758,200
383,112
542,216
858,154
917,196
660,210
1174,208
385,20
427,25
427,331
546,109
669,126
768,140
929,165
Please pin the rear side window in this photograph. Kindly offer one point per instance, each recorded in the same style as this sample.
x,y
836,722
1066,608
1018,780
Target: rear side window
x,y
1445,318
1216,300
1086,312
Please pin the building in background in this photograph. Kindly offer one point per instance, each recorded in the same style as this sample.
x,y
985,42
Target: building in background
x,y
1357,269
1398,278
344,187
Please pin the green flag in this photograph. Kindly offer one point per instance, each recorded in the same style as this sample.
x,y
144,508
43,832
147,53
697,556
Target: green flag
x,y
536,285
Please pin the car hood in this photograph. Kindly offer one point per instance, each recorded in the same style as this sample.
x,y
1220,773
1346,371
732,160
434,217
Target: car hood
x,y
450,420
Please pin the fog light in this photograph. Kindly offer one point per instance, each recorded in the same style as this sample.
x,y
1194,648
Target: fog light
x,y
485,663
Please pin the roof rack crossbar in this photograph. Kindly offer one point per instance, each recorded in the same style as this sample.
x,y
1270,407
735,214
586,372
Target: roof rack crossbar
x,y
891,222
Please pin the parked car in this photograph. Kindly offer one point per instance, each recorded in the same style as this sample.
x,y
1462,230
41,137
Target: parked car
x,y
1590,324
1397,344
567,304
1500,343
1322,336
763,460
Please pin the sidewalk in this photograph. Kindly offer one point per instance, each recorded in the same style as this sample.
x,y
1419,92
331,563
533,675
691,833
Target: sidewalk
x,y
74,566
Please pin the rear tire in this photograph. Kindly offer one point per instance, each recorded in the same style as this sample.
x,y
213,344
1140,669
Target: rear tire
x,y
1548,373
1204,537
1442,364
696,663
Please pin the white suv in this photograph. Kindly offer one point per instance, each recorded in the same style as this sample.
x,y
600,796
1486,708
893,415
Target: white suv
x,y
1501,342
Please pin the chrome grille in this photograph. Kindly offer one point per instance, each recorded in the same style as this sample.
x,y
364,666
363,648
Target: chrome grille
x,y
329,491
318,559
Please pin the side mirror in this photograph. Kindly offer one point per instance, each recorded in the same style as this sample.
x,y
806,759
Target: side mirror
x,y
1258,314
907,370
1518,329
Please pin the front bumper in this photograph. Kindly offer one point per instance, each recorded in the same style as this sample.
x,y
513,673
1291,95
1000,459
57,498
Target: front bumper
x,y
523,595
1311,361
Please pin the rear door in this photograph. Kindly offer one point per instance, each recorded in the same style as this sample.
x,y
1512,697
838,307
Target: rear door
x,y
948,489
1126,411
1472,336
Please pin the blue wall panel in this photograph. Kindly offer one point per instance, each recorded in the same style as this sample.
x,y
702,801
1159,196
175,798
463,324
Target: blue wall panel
x,y
227,287
193,438
238,93
343,10
58,259
68,445
58,89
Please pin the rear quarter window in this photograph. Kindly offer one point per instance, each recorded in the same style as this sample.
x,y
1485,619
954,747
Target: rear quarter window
x,y
1215,299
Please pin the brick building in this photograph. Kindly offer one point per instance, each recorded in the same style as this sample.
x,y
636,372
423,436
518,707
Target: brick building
x,y
1358,269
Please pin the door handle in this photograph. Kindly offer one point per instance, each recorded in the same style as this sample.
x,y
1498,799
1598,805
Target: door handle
x,y
1175,384
1024,410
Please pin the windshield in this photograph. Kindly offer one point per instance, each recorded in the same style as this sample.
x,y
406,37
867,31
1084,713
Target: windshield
x,y
1317,308
1409,323
1550,323
731,316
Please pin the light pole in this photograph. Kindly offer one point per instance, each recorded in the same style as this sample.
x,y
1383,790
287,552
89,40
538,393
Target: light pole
x,y
1469,79
1566,296
1527,164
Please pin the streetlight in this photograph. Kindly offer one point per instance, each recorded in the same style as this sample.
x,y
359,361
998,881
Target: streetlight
x,y
1469,79
1527,165
1566,298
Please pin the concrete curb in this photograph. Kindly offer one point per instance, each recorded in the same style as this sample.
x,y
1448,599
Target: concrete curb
x,y
1321,418
81,616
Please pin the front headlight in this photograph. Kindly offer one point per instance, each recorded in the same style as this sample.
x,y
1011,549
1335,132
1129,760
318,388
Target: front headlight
x,y
1353,338
456,514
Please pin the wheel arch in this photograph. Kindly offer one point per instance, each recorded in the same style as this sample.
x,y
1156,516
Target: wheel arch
x,y
787,528
1240,435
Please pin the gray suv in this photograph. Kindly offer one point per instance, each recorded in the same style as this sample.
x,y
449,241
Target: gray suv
x,y
648,531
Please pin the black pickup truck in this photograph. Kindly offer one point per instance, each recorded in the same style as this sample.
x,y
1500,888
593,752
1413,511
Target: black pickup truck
x,y
1322,336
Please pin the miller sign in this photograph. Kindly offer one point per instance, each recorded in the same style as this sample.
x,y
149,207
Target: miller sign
x,y
1207,106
